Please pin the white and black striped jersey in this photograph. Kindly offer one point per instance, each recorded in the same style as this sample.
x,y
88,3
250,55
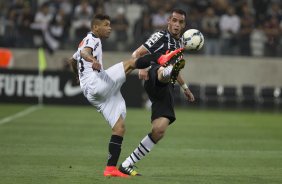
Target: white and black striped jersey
x,y
85,69
94,43
162,41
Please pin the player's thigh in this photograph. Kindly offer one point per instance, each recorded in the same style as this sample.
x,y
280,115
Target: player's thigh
x,y
113,109
163,104
117,74
100,87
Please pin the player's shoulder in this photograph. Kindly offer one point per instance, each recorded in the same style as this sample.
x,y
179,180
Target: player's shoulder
x,y
92,36
159,34
155,39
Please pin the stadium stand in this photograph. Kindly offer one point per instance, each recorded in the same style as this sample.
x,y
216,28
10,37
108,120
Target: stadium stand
x,y
257,31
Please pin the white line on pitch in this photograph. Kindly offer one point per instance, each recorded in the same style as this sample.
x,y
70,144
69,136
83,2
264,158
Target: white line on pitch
x,y
19,114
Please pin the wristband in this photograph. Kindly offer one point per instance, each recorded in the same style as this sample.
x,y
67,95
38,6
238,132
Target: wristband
x,y
184,86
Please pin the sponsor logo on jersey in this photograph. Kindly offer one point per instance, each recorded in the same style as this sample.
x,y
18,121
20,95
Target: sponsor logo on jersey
x,y
154,38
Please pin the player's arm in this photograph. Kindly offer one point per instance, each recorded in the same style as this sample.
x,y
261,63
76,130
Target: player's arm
x,y
141,51
73,65
189,95
86,54
149,47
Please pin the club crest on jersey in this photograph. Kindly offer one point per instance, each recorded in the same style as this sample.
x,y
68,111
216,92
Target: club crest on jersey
x,y
153,39
81,43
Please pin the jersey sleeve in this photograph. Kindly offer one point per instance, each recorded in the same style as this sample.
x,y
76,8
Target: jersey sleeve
x,y
76,56
93,44
90,42
155,42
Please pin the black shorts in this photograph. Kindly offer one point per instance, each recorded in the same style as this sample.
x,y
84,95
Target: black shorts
x,y
161,96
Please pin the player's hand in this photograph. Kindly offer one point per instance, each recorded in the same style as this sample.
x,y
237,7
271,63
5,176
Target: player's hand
x,y
96,65
189,95
143,74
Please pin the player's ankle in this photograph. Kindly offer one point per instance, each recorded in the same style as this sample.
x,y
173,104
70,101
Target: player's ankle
x,y
167,72
125,164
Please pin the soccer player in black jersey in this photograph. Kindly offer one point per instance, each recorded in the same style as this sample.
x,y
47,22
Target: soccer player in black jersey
x,y
159,86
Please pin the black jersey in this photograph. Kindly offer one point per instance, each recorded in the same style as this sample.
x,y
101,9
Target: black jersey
x,y
161,94
162,41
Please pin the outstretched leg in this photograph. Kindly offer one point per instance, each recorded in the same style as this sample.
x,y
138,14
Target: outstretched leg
x,y
139,63
129,65
145,61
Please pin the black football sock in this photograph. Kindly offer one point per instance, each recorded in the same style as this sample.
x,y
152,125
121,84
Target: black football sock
x,y
114,150
145,61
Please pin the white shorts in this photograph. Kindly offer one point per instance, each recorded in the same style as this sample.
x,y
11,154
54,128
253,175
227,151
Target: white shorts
x,y
103,92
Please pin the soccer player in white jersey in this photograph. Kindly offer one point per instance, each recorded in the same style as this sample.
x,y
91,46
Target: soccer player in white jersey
x,y
102,87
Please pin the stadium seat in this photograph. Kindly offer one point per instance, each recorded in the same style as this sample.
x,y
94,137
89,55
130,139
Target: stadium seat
x,y
177,95
279,97
196,90
248,96
229,96
181,100
211,96
267,97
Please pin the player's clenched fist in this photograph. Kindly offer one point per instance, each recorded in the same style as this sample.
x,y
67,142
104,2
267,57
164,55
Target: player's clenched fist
x,y
96,65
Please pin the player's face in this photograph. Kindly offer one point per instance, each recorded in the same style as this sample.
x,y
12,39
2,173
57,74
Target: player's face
x,y
176,24
104,29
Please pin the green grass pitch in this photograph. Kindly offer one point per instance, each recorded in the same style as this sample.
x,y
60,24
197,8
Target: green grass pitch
x,y
65,145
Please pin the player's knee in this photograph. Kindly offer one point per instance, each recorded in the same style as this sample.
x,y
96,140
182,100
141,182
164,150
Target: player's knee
x,y
130,63
157,134
122,129
119,129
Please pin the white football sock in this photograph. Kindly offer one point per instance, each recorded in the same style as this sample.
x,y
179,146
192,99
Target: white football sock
x,y
167,72
145,146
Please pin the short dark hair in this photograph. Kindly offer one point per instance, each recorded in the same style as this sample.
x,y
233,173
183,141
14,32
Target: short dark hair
x,y
180,11
99,17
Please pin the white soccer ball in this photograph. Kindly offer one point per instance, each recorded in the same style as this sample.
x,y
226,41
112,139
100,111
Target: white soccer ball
x,y
193,39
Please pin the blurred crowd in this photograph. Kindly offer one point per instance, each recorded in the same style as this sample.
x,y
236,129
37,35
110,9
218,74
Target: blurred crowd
x,y
230,27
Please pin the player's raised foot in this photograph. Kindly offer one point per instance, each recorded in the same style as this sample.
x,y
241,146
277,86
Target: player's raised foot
x,y
129,170
176,69
170,57
112,171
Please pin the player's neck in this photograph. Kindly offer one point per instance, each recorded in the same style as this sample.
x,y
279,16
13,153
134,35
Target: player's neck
x,y
95,34
177,37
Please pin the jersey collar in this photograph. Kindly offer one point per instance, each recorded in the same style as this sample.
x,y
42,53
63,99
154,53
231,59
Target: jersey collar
x,y
93,34
171,35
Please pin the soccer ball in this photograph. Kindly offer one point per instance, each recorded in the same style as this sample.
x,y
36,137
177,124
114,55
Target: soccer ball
x,y
193,39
